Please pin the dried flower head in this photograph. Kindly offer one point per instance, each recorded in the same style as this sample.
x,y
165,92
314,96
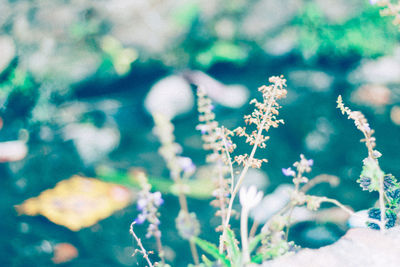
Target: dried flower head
x,y
187,225
362,124
263,117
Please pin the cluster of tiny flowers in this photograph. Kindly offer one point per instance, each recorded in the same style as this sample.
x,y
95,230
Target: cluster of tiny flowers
x,y
218,141
362,124
187,224
298,196
170,151
148,204
213,136
302,166
263,117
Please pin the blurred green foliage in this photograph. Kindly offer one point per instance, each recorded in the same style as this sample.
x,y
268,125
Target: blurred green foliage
x,y
366,35
196,188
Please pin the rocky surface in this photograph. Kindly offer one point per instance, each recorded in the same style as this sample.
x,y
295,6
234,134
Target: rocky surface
x,y
359,247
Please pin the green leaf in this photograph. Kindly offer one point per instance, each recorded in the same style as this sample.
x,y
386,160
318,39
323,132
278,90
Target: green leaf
x,y
254,242
212,250
198,188
232,247
257,258
206,261
372,170
186,14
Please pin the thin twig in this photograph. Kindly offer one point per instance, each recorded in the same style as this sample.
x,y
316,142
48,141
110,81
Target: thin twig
x,y
142,249
254,228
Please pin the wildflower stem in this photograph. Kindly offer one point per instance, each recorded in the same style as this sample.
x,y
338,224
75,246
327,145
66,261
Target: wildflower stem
x,y
254,228
289,224
346,209
221,192
382,205
159,245
142,249
261,127
229,159
244,235
332,180
184,207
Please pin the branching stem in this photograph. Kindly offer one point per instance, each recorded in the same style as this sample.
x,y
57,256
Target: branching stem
x,y
142,249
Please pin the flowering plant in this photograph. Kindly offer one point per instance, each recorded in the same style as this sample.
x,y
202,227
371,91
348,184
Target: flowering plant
x,y
271,239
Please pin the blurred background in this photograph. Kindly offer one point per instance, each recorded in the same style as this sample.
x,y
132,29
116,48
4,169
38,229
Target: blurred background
x,y
79,78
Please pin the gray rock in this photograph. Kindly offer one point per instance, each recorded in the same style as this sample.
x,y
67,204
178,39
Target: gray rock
x,y
171,96
265,16
384,70
282,43
338,11
314,80
359,247
7,53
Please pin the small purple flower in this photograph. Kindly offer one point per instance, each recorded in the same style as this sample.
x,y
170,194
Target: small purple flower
x,y
141,203
187,164
140,219
310,162
288,172
203,128
373,2
229,144
158,201
367,128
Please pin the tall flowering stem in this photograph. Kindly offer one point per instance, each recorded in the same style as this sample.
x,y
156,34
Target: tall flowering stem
x,y
216,140
362,124
180,168
302,166
148,204
263,117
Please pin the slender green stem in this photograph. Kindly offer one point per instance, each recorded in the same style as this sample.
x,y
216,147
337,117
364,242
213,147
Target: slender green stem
x,y
229,158
346,209
244,235
254,228
159,245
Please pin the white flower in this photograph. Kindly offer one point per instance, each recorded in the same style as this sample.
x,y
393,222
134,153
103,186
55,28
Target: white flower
x,y
249,197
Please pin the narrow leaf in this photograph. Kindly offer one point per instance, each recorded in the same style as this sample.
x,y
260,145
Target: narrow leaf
x,y
232,247
257,258
255,241
212,250
206,261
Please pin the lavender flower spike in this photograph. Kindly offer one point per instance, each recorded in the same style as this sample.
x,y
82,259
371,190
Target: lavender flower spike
x,y
140,219
310,162
288,172
187,164
157,199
